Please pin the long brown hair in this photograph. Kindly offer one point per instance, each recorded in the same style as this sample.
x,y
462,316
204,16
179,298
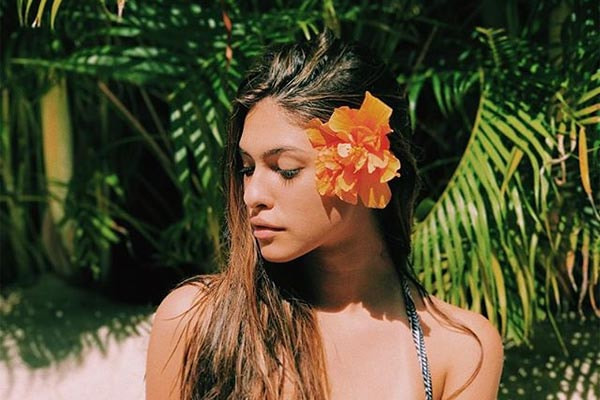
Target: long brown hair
x,y
255,336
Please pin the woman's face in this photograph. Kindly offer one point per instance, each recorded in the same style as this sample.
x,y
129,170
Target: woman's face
x,y
288,216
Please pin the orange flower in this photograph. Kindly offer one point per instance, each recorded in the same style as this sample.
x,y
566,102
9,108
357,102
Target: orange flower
x,y
354,158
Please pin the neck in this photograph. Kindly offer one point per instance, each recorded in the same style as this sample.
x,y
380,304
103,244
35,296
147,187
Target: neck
x,y
354,276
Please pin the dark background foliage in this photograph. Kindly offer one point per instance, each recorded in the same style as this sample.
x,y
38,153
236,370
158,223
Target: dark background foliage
x,y
504,224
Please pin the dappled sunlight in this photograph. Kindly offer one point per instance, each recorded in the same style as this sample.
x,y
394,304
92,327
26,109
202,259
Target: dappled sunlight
x,y
543,372
60,342
51,321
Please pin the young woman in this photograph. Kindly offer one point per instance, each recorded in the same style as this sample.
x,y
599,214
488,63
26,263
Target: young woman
x,y
318,299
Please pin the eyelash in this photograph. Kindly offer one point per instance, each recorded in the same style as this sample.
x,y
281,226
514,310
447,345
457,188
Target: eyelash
x,y
246,171
286,174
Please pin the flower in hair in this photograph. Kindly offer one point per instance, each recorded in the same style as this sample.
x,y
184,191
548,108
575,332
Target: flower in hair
x,y
354,160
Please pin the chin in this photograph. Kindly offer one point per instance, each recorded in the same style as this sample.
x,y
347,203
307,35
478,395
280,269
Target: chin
x,y
278,254
277,258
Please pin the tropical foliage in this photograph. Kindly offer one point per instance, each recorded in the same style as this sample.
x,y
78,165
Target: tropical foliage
x,y
505,111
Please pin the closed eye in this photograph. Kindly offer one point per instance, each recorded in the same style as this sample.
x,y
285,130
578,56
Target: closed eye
x,y
288,173
246,171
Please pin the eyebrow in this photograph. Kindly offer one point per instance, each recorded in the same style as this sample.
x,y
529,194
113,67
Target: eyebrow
x,y
275,151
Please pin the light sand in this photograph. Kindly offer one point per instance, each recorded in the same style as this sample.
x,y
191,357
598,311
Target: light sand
x,y
93,375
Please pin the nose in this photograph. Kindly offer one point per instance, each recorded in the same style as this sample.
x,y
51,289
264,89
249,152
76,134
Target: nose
x,y
257,194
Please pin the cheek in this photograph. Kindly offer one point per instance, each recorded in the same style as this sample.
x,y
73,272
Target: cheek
x,y
310,204
311,216
317,215
311,221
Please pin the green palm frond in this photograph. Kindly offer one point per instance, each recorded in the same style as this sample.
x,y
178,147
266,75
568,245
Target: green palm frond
x,y
199,109
478,230
449,89
180,50
23,9
515,234
577,157
494,240
196,127
152,46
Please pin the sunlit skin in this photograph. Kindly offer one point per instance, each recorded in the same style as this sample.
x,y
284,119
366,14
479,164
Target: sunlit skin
x,y
280,189
354,288
338,242
352,280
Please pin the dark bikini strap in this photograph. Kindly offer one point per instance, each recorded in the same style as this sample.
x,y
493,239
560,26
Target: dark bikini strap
x,y
418,339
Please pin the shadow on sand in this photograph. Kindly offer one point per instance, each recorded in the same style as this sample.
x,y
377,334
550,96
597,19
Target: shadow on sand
x,y
51,321
42,325
544,372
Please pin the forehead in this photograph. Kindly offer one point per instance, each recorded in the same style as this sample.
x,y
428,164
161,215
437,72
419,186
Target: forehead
x,y
268,126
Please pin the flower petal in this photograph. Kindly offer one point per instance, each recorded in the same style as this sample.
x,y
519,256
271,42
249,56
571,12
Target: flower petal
x,y
345,186
342,122
375,162
375,195
361,157
344,149
354,158
346,181
392,165
324,186
319,133
349,197
316,137
374,113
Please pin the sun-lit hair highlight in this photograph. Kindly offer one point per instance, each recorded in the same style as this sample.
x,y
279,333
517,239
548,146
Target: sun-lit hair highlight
x,y
253,336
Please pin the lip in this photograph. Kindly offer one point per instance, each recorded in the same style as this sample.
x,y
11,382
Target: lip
x,y
264,230
265,233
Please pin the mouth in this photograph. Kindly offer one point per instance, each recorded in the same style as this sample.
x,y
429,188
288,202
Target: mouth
x,y
265,232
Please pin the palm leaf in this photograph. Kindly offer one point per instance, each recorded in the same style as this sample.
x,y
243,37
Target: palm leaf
x,y
493,231
473,237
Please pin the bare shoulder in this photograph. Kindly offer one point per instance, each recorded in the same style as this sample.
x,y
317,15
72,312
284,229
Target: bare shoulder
x,y
480,325
176,314
471,348
178,302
